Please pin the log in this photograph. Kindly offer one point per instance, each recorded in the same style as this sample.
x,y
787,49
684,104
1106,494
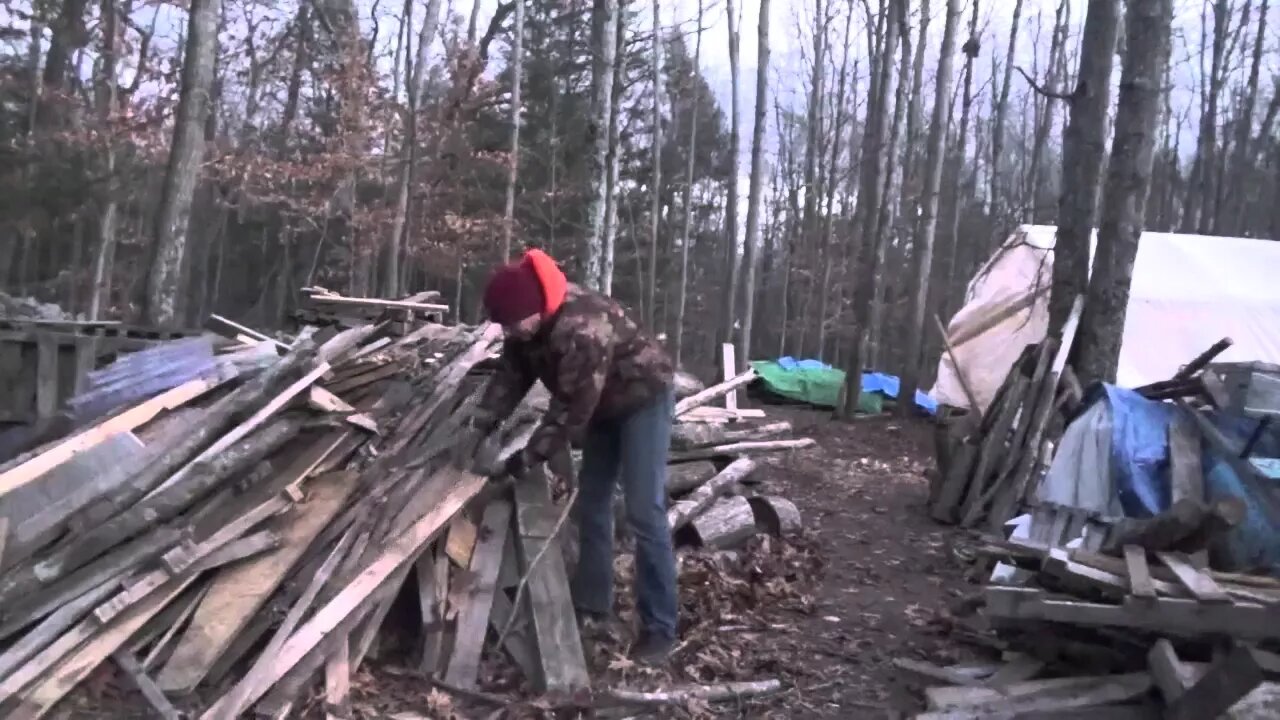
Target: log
x,y
713,392
1187,526
688,436
683,477
743,448
700,499
727,524
683,694
777,515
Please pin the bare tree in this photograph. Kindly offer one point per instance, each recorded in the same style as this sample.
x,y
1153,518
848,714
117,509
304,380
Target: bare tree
x,y
655,181
934,153
185,156
1244,157
751,254
1148,26
971,48
604,46
1197,208
999,194
1083,145
612,159
730,316
517,107
106,102
409,149
865,272
677,341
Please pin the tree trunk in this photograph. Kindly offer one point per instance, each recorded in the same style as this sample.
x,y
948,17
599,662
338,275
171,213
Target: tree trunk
x,y
100,284
934,154
1083,144
1147,34
677,342
612,160
751,259
864,272
604,45
1044,124
730,317
185,156
949,279
824,289
1241,164
655,181
409,153
513,162
999,194
1198,214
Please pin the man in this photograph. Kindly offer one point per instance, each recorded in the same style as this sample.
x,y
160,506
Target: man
x,y
611,390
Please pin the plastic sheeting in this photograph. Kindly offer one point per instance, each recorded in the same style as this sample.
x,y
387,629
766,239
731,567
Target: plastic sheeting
x,y
816,383
1114,460
1188,291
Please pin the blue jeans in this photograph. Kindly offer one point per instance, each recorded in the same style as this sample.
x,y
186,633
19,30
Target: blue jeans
x,y
634,449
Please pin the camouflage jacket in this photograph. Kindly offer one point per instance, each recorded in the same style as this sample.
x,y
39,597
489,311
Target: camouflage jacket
x,y
596,362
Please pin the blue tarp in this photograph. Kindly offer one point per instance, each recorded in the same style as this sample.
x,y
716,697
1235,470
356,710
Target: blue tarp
x,y
1140,468
872,382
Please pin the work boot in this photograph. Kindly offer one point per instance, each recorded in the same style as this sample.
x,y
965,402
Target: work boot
x,y
652,649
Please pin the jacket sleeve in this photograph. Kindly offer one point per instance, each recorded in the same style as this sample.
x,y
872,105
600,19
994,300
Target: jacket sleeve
x,y
583,367
506,388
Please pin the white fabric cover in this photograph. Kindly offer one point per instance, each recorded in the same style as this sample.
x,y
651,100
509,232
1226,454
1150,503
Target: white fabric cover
x,y
1188,292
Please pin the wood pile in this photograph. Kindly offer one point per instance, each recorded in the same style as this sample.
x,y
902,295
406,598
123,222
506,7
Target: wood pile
x,y
323,307
240,538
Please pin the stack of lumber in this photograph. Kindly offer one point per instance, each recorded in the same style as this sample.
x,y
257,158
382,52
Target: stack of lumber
x,y
238,540
1127,631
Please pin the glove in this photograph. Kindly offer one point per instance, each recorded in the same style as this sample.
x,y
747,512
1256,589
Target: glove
x,y
515,467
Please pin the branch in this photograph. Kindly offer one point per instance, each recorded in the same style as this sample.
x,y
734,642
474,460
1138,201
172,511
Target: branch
x,y
1042,90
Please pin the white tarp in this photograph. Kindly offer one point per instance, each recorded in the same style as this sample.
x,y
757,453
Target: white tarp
x,y
1188,292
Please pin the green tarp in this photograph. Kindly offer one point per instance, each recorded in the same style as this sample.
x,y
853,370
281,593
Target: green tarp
x,y
815,386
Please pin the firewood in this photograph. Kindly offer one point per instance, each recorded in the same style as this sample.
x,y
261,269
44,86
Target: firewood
x,y
687,436
778,515
714,392
727,524
742,448
683,477
1187,526
700,499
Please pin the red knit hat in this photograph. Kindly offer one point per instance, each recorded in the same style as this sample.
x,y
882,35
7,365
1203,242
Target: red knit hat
x,y
513,294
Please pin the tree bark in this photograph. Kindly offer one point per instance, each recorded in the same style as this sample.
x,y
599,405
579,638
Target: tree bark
x,y
751,253
730,317
513,162
999,194
864,272
1044,124
604,45
1147,33
1198,213
409,153
612,159
677,342
934,154
1244,159
185,156
655,179
1083,145
100,288
948,281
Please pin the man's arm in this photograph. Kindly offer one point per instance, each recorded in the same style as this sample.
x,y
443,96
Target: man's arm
x,y
584,365
506,388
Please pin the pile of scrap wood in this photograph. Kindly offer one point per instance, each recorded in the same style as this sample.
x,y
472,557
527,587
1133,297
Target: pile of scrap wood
x,y
244,530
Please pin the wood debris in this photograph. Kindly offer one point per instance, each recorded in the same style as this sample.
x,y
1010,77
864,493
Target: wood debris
x,y
244,550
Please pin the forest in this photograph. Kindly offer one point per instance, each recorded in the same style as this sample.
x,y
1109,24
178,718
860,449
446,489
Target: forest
x,y
161,161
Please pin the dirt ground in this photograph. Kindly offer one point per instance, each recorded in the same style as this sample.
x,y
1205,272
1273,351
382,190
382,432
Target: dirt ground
x,y
826,614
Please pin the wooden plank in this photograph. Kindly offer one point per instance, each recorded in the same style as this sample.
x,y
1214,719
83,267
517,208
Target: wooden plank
x,y
1050,694
1140,583
375,302
50,687
162,643
1174,616
86,361
1186,473
248,331
343,608
238,593
1170,674
1020,668
473,618
337,683
126,421
554,621
714,392
461,541
1198,583
729,366
46,375
130,666
432,572
1226,682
